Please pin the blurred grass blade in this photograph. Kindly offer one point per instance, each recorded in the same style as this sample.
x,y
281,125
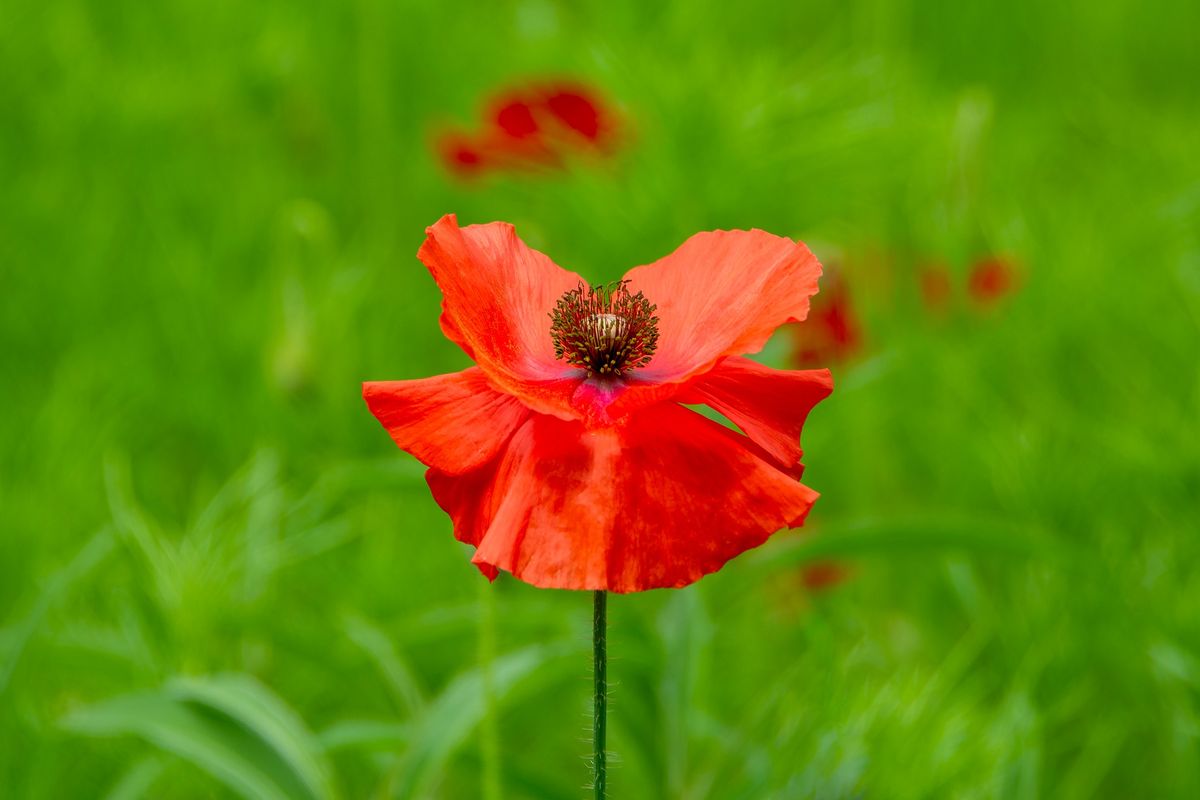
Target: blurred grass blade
x,y
133,526
229,726
314,541
685,633
87,559
129,519
243,698
492,773
136,783
456,712
212,742
336,485
395,670
887,537
264,523
259,475
351,734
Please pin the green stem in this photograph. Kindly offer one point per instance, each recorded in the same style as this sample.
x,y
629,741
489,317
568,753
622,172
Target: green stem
x,y
600,696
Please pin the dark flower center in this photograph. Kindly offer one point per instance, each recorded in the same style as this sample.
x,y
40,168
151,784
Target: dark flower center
x,y
604,329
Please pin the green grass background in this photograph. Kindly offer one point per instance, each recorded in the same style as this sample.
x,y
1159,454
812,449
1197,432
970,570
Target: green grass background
x,y
219,578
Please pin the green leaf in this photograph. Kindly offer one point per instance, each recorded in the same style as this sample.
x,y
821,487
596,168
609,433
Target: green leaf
x,y
136,782
451,718
243,698
388,660
229,726
365,733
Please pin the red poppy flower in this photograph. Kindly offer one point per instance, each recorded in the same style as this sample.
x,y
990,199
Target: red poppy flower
x,y
991,279
565,456
832,333
531,127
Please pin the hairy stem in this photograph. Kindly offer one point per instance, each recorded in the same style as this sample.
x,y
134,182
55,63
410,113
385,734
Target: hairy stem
x,y
600,695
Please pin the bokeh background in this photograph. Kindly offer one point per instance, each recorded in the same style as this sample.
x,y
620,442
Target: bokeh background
x,y
219,578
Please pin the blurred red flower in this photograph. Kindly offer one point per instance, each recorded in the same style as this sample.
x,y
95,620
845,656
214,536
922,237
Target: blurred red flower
x,y
992,279
824,575
832,334
565,456
530,127
936,287
462,155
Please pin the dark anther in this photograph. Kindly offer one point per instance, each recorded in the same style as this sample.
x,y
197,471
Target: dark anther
x,y
604,329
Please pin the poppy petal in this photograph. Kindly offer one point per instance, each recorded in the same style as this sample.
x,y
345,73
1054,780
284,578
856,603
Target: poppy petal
x,y
455,423
723,293
658,502
468,499
577,111
769,405
514,117
497,296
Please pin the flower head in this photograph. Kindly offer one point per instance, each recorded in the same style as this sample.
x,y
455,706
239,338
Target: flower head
x,y
604,330
531,127
566,456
